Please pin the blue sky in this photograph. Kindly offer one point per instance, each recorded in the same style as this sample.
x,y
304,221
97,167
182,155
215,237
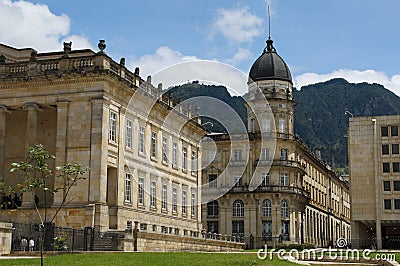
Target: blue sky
x,y
355,39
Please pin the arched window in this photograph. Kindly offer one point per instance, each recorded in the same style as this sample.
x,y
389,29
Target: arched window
x,y
284,208
266,208
238,208
212,209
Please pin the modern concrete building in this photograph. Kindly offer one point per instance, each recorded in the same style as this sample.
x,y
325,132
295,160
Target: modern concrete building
x,y
375,181
276,189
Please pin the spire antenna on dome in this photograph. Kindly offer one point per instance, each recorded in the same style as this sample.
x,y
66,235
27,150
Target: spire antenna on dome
x,y
270,47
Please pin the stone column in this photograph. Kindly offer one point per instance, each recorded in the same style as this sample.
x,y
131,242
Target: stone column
x,y
28,200
3,127
61,144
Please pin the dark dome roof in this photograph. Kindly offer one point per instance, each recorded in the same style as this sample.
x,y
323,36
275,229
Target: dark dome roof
x,y
270,66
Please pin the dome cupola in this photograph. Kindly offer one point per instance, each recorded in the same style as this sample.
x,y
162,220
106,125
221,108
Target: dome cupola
x,y
269,66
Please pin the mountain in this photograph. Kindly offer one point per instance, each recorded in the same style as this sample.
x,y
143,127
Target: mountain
x,y
320,118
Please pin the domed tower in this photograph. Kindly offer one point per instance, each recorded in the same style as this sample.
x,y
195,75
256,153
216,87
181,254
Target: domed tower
x,y
271,75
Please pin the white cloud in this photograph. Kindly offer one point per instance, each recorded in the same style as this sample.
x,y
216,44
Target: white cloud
x,y
353,76
25,24
237,24
171,67
241,55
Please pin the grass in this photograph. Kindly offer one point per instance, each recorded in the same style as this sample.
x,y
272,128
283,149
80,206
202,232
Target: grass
x,y
144,259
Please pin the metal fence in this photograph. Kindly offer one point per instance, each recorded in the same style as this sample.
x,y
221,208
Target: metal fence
x,y
86,239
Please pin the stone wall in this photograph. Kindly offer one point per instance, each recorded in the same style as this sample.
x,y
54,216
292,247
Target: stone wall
x,y
148,241
5,238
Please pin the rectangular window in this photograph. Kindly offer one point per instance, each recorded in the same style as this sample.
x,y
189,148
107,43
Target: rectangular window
x,y
265,154
128,134
396,185
284,179
238,180
193,162
174,200
193,205
164,197
265,179
386,185
141,191
184,203
212,180
282,125
252,125
128,191
394,131
386,167
384,131
184,158
212,226
153,144
396,167
153,194
175,154
141,139
385,149
238,228
267,230
113,126
237,155
284,154
395,148
388,204
164,150
397,204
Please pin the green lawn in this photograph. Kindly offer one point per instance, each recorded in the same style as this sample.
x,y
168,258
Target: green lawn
x,y
141,259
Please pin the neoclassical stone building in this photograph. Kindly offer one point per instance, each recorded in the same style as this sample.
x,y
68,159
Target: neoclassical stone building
x,y
276,189
374,164
144,170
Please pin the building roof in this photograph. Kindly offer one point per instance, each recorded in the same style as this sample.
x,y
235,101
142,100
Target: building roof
x,y
270,66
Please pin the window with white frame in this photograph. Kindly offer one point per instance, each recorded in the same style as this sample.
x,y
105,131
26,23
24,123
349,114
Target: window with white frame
x,y
237,155
164,197
153,187
265,154
266,208
165,150
128,190
141,139
154,144
141,191
174,200
193,162
193,205
212,209
184,203
175,154
282,125
238,208
265,180
284,208
184,158
266,124
128,134
113,126
284,179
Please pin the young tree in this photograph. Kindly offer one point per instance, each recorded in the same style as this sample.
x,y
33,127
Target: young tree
x,y
35,174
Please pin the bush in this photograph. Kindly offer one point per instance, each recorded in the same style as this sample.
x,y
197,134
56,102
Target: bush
x,y
60,243
281,246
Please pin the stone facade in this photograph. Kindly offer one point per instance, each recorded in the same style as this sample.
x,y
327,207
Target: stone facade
x,y
6,230
375,180
296,198
85,108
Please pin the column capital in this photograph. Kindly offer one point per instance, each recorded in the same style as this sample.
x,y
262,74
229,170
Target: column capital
x,y
3,108
31,106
